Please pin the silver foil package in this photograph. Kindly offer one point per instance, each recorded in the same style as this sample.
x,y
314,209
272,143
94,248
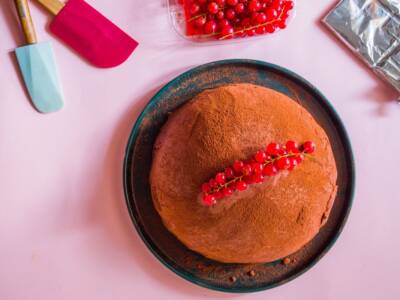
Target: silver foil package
x,y
371,28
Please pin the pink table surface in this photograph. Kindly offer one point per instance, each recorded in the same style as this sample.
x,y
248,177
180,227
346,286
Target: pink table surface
x,y
65,232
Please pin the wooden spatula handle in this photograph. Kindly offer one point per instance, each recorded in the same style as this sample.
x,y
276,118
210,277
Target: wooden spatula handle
x,y
25,19
53,6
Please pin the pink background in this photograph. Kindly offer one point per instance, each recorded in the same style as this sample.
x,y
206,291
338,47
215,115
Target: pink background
x,y
65,232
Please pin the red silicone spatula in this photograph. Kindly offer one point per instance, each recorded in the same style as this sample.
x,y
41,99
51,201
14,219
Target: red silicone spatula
x,y
90,33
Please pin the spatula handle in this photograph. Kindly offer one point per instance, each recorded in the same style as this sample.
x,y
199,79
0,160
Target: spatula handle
x,y
53,6
25,19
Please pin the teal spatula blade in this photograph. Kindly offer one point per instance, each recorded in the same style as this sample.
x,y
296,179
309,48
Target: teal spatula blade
x,y
40,74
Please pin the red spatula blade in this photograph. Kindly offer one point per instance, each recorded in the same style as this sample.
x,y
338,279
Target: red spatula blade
x,y
92,35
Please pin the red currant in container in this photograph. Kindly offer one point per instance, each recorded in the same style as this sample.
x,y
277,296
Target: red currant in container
x,y
219,21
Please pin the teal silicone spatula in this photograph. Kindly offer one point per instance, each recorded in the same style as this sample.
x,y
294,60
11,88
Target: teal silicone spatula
x,y
37,65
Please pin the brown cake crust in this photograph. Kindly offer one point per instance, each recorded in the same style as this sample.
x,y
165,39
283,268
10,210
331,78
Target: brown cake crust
x,y
264,223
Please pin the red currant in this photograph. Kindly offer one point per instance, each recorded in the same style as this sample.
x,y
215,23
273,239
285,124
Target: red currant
x,y
206,188
292,147
220,15
283,163
245,22
247,169
249,179
194,9
200,21
271,13
261,156
239,8
210,27
230,14
220,178
257,167
241,186
213,183
288,5
277,4
260,30
282,24
202,1
238,166
240,32
258,178
223,23
251,32
229,173
232,186
270,170
254,18
209,200
227,33
232,2
270,28
218,195
254,5
273,149
212,8
220,3
283,151
261,18
227,192
309,147
293,163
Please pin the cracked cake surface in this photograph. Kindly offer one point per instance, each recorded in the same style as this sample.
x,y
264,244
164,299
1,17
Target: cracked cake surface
x,y
268,221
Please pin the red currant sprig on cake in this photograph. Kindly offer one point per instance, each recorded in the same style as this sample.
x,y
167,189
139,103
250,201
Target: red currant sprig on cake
x,y
225,19
265,163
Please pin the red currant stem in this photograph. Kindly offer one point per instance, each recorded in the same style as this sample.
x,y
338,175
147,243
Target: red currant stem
x,y
271,161
254,27
196,17
226,184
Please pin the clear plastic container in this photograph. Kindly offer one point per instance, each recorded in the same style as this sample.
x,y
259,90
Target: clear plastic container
x,y
182,21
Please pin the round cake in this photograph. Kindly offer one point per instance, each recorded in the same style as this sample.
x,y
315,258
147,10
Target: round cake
x,y
266,222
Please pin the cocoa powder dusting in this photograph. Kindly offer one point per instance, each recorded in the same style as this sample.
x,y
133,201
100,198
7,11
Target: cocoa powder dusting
x,y
208,134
